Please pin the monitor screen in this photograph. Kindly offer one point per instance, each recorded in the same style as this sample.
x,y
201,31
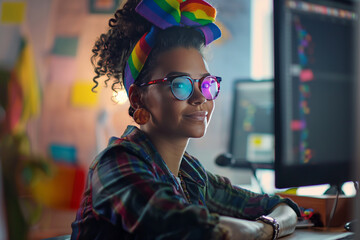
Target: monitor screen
x,y
252,135
314,91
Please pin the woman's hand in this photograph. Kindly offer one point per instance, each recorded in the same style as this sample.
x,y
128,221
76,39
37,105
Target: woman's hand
x,y
244,229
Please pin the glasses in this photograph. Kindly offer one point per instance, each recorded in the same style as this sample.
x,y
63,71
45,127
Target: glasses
x,y
182,87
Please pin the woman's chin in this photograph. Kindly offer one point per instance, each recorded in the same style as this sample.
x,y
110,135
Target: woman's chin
x,y
198,132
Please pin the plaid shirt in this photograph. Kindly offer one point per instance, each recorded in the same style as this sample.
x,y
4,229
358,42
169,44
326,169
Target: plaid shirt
x,y
131,194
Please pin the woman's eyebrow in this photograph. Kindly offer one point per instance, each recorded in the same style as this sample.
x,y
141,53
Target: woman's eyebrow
x,y
177,74
184,74
205,75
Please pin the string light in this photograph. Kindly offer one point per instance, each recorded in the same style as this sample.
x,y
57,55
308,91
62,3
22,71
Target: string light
x,y
120,96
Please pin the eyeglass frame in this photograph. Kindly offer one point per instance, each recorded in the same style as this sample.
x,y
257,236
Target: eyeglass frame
x,y
171,79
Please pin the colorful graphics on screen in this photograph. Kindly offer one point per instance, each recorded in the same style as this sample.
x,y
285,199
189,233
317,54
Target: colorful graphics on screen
x,y
249,119
305,76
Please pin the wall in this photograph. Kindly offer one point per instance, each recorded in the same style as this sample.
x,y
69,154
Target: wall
x,y
62,123
229,59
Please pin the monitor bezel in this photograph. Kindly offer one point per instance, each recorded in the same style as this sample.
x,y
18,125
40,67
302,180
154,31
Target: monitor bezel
x,y
300,175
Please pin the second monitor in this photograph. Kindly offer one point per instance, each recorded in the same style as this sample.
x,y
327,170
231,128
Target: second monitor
x,y
252,135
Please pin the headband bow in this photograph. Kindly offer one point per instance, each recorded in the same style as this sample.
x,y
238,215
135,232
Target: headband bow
x,y
164,14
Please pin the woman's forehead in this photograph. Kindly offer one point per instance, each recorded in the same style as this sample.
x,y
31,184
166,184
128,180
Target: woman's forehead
x,y
185,60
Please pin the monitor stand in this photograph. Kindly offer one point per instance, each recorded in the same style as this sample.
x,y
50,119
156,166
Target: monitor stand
x,y
333,189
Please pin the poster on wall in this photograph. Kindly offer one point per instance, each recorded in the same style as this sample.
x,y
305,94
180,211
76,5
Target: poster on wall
x,y
103,6
13,12
65,46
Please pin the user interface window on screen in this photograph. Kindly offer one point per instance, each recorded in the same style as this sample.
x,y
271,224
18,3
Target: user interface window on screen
x,y
320,75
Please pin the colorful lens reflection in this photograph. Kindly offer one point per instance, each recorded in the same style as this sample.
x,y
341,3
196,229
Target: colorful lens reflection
x,y
209,87
182,87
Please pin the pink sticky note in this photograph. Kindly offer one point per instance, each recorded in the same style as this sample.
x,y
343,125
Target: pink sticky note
x,y
62,69
297,125
306,75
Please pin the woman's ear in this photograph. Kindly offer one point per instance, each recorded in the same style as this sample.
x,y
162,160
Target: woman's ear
x,y
135,96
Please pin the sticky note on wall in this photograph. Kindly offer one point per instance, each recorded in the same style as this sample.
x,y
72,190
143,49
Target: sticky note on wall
x,y
62,190
13,12
82,96
62,69
103,6
63,153
65,46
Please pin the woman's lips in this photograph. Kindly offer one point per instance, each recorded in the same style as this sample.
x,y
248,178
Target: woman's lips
x,y
197,116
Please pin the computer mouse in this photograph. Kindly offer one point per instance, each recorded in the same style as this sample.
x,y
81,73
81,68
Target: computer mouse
x,y
350,226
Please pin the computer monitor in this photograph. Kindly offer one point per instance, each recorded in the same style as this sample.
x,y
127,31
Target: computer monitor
x,y
252,132
314,91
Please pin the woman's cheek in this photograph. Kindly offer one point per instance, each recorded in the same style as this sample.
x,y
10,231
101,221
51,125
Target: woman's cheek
x,y
211,110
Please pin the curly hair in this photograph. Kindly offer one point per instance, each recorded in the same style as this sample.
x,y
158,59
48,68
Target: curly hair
x,y
112,50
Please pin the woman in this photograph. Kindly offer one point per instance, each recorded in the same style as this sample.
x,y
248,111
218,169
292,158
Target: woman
x,y
144,185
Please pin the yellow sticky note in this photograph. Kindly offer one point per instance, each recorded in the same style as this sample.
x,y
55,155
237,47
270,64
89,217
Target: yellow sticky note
x,y
13,12
257,141
82,96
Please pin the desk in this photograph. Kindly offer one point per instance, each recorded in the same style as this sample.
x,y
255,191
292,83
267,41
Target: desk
x,y
317,234
323,206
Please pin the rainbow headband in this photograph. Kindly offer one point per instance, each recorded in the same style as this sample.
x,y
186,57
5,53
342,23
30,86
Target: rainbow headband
x,y
164,14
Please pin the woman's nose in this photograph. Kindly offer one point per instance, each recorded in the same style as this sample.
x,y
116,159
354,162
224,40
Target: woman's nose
x,y
197,97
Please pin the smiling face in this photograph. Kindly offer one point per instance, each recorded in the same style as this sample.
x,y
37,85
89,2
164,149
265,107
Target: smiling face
x,y
170,116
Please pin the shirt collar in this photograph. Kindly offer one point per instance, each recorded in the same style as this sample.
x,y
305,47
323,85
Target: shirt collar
x,y
191,168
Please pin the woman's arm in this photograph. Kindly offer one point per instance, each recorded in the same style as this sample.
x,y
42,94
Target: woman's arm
x,y
286,217
228,200
246,229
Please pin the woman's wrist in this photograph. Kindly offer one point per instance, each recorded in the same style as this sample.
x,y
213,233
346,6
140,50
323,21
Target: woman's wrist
x,y
266,231
271,222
